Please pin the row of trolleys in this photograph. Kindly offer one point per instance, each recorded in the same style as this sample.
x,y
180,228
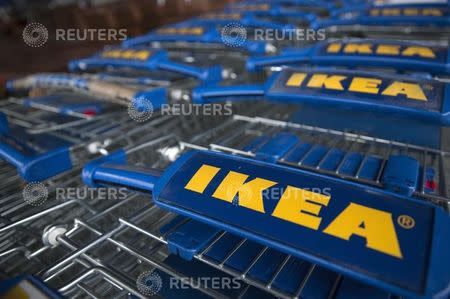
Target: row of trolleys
x,y
330,182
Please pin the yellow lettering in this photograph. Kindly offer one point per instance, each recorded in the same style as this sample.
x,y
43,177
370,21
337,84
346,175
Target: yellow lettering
x,y
411,90
419,51
374,12
411,11
202,178
329,82
250,193
432,12
388,50
334,48
365,85
374,225
358,48
391,12
301,207
296,79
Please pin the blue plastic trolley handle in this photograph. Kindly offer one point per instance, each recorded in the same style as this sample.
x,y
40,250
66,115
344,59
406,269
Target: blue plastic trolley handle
x,y
247,21
356,53
362,8
412,260
34,167
156,60
422,99
208,35
156,96
386,20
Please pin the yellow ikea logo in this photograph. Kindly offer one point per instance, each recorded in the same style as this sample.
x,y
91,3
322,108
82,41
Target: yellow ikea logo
x,y
303,208
127,54
430,12
357,84
181,31
381,49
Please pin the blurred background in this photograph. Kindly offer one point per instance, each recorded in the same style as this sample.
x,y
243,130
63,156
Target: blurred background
x,y
136,16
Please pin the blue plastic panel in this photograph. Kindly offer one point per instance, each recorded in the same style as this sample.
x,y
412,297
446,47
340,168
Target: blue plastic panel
x,y
276,147
190,238
420,98
375,236
401,174
363,53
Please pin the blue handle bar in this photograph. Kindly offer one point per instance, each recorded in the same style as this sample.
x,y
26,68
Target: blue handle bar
x,y
113,170
157,96
156,61
247,21
382,21
418,98
362,8
209,37
360,53
31,166
37,167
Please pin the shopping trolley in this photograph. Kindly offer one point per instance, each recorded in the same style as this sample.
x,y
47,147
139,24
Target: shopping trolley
x,y
408,22
24,215
401,57
48,135
172,73
293,11
341,99
182,36
145,59
355,10
236,28
234,246
106,88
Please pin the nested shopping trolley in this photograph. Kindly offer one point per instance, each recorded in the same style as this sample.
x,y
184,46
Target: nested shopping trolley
x,y
141,246
25,215
410,21
47,135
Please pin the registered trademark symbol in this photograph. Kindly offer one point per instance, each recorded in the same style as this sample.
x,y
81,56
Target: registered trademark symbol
x,y
406,221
